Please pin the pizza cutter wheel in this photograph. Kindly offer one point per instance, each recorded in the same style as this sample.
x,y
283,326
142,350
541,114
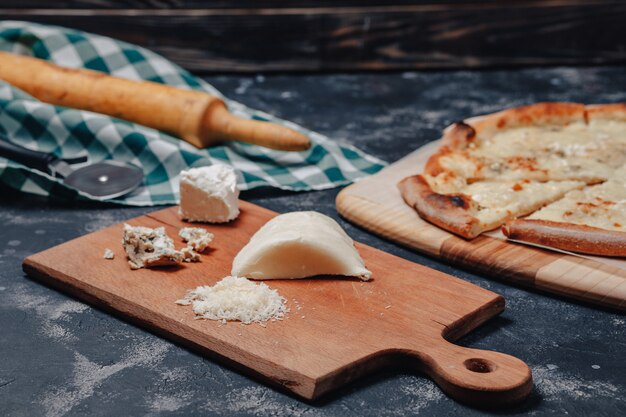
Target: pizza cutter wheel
x,y
103,180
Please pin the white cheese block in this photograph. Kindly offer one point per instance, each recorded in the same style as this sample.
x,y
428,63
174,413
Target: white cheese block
x,y
298,245
209,194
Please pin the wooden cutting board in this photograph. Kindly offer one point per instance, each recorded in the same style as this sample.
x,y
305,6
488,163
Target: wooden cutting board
x,y
337,330
375,204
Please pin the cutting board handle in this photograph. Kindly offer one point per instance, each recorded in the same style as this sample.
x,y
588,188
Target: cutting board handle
x,y
478,377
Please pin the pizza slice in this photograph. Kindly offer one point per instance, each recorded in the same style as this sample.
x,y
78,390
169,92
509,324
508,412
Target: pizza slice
x,y
542,142
592,221
470,209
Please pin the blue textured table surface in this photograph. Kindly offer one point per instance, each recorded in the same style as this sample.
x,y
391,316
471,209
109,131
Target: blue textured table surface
x,y
60,357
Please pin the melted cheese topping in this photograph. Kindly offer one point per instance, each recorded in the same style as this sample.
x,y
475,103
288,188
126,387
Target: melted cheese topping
x,y
602,206
576,151
495,202
576,139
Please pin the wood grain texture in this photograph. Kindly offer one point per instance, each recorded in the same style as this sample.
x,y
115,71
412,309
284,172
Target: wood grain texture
x,y
405,317
336,36
224,4
375,204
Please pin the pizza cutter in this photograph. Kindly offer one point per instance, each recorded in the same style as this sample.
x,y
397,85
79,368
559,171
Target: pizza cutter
x,y
103,180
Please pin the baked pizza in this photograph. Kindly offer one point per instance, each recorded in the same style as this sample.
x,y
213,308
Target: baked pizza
x,y
560,163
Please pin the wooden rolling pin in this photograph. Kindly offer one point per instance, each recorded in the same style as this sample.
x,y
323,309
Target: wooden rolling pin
x,y
198,118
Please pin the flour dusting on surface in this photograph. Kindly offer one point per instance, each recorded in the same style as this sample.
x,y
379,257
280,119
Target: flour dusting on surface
x,y
553,384
52,313
423,393
170,403
13,218
243,86
99,220
257,401
88,376
176,375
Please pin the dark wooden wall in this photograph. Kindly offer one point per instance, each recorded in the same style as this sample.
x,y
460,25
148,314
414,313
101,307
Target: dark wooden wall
x,y
343,35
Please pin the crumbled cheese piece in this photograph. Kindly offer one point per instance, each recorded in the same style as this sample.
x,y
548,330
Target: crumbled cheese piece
x,y
108,254
235,298
189,255
197,237
146,247
209,194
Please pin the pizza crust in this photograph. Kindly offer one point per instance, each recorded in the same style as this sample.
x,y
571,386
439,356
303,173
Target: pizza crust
x,y
461,134
567,236
604,112
448,211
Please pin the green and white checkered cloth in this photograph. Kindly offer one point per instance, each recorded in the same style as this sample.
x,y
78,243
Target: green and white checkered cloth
x,y
67,132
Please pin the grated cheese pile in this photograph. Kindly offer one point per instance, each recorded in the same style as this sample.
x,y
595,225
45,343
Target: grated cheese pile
x,y
235,298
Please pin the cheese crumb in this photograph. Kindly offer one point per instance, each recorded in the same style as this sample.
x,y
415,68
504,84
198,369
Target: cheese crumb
x,y
189,255
108,254
197,237
146,247
236,299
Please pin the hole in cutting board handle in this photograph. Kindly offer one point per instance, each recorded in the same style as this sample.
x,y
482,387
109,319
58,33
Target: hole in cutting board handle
x,y
479,365
481,378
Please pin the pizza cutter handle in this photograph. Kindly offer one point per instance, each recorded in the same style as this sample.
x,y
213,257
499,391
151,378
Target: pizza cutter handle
x,y
33,159
481,378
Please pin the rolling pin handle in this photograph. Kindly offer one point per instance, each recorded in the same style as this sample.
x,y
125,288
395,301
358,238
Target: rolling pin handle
x,y
219,124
